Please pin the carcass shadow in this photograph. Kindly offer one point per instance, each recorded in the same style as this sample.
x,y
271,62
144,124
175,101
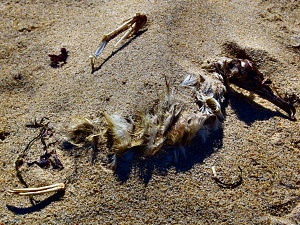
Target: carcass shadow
x,y
246,110
169,157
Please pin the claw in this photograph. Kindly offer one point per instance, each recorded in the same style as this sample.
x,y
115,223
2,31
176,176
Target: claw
x,y
39,190
132,25
244,74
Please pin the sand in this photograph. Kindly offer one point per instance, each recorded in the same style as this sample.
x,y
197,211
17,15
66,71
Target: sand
x,y
180,36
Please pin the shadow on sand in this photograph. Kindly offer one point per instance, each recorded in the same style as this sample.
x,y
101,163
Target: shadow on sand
x,y
37,206
249,111
119,49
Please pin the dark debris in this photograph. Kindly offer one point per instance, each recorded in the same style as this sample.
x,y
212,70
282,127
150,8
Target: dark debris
x,y
48,158
56,59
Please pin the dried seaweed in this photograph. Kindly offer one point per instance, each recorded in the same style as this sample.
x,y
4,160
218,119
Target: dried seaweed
x,y
45,131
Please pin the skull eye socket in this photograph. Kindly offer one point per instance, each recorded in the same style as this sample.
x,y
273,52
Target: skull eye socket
x,y
231,65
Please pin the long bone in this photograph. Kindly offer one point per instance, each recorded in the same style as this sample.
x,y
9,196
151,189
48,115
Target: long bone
x,y
39,190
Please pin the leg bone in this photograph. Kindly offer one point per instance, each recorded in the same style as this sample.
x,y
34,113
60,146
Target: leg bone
x,y
132,25
39,190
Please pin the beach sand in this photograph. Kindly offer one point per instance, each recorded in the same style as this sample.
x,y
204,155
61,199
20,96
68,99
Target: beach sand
x,y
179,38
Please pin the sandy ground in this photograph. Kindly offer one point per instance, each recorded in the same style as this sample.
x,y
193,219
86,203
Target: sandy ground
x,y
179,37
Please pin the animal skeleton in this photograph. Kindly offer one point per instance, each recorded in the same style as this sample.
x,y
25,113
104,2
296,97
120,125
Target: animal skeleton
x,y
176,122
